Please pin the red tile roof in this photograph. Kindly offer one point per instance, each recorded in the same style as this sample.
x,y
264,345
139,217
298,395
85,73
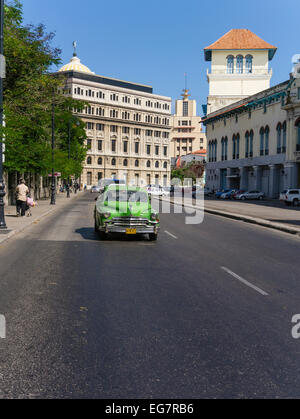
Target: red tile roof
x,y
240,39
199,152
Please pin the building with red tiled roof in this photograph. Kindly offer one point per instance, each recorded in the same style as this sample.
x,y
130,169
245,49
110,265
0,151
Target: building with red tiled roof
x,y
239,67
240,39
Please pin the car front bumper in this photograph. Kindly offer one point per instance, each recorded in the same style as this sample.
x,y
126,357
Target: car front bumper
x,y
122,225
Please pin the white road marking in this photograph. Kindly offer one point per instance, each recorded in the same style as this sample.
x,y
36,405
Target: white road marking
x,y
244,281
170,234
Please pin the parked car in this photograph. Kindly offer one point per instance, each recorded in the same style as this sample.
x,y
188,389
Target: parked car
x,y
229,194
251,195
95,189
218,194
103,183
282,195
198,189
156,190
237,193
292,197
207,192
127,210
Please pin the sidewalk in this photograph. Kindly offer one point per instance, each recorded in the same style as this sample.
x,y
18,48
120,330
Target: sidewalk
x,y
17,224
283,218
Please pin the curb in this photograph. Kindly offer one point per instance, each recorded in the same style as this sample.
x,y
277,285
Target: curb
x,y
247,219
20,230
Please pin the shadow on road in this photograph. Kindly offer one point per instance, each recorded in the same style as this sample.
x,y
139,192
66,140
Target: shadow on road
x,y
88,233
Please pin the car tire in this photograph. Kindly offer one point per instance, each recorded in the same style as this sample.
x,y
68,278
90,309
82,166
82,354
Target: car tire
x,y
296,202
153,237
243,198
261,198
102,235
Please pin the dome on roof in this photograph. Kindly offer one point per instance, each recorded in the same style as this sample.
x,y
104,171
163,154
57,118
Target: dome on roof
x,y
75,65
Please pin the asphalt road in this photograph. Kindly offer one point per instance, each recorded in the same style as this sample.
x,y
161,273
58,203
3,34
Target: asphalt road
x,y
203,313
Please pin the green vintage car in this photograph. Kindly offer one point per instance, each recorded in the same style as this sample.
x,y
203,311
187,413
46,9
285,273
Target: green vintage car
x,y
127,210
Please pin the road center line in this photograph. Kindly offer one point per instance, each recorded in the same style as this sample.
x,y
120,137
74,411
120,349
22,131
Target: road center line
x,y
244,281
172,235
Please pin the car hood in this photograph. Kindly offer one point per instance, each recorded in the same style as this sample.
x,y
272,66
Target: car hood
x,y
123,209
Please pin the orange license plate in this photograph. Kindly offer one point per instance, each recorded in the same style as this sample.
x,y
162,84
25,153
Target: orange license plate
x,y
130,230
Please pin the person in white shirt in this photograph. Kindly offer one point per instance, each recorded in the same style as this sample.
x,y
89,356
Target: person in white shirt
x,y
21,194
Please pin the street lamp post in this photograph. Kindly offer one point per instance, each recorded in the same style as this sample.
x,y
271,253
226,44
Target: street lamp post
x,y
69,153
52,202
2,75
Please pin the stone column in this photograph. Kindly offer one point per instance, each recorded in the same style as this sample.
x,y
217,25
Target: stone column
x,y
273,181
290,177
244,178
258,177
228,180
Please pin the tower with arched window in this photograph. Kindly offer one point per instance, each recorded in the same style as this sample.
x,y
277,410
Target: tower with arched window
x,y
239,67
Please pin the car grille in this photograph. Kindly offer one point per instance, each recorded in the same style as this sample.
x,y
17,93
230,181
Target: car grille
x,y
130,221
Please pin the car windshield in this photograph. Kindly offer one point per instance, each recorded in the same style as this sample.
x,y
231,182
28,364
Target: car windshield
x,y
126,196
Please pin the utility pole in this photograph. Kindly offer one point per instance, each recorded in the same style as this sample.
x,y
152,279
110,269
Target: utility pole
x,y
53,146
2,76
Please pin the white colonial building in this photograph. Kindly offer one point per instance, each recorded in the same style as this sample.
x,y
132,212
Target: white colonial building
x,y
254,143
239,67
127,125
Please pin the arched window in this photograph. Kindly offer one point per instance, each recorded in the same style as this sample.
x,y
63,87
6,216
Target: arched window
x,y
216,150
298,135
239,64
233,147
262,141
113,162
251,143
157,164
284,137
247,144
165,165
226,148
89,160
267,134
230,64
238,146
125,162
148,163
249,63
223,148
100,161
136,163
278,129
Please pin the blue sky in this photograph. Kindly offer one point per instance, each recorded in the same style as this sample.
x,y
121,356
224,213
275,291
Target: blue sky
x,y
155,42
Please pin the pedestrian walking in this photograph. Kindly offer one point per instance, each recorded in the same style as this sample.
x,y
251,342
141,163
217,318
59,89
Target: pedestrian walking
x,y
21,194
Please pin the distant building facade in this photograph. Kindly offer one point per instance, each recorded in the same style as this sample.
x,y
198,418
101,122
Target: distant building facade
x,y
253,131
127,125
239,68
255,143
187,134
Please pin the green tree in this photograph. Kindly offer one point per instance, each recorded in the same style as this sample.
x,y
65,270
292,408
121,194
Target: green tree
x,y
29,91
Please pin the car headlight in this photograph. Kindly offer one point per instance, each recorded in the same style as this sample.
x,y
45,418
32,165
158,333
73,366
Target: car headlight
x,y
106,215
154,217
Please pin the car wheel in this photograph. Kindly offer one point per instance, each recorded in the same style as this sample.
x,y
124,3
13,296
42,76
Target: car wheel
x,y
296,202
243,198
261,198
153,237
102,235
